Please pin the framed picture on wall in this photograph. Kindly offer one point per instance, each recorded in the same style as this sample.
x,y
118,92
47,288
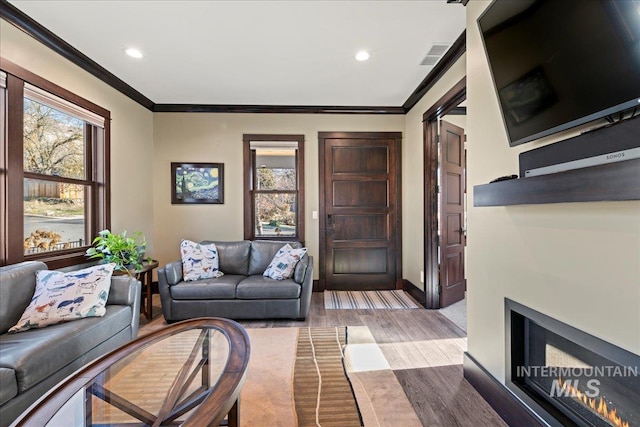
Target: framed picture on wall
x,y
197,183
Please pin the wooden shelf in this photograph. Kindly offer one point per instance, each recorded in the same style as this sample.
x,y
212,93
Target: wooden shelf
x,y
613,181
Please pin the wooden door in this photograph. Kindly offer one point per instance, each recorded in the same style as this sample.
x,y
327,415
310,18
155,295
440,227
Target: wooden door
x,y
360,221
452,233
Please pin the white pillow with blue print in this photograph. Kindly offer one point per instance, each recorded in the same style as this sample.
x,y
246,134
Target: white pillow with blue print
x,y
284,262
199,261
65,296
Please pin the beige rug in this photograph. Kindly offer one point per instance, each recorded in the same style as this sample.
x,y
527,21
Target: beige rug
x,y
269,394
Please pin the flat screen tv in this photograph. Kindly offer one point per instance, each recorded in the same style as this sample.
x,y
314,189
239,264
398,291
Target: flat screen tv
x,y
557,64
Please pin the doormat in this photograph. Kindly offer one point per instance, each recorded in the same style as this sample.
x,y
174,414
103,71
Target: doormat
x,y
378,300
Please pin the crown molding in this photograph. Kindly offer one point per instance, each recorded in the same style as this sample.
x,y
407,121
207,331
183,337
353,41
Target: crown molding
x,y
20,20
282,109
457,49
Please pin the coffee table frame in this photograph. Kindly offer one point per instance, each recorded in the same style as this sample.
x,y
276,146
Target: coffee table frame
x,y
211,407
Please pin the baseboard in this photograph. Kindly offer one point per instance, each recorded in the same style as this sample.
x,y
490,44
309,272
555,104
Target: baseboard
x,y
505,403
316,286
417,293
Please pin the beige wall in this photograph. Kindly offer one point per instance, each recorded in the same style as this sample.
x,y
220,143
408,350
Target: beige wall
x,y
577,262
131,128
209,137
413,176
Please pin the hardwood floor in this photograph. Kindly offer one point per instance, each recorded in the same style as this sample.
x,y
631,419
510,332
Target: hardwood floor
x,y
423,347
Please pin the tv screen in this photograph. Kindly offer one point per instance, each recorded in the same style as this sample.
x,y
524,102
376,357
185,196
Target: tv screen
x,y
557,64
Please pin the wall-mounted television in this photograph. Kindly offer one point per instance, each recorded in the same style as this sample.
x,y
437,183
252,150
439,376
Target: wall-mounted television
x,y
557,64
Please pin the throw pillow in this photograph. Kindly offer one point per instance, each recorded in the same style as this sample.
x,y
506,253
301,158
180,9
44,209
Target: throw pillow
x,y
284,262
199,261
62,297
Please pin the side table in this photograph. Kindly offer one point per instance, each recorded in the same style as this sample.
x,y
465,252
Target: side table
x,y
145,276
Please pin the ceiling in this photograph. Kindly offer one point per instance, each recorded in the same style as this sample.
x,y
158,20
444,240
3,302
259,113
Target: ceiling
x,y
258,52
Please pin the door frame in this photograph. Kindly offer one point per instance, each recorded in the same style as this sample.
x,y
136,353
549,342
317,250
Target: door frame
x,y
446,104
397,201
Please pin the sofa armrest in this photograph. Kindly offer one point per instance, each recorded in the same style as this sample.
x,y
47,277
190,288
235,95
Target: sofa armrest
x,y
127,290
169,275
172,273
306,283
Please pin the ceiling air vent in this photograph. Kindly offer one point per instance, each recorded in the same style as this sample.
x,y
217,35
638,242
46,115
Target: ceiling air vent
x,y
434,54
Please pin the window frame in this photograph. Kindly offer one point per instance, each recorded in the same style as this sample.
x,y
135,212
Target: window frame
x,y
249,165
97,178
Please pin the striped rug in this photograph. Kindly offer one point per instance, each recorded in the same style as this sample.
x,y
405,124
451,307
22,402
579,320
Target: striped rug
x,y
367,300
322,392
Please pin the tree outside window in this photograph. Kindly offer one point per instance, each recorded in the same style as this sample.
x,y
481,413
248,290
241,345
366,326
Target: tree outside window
x,y
274,187
54,170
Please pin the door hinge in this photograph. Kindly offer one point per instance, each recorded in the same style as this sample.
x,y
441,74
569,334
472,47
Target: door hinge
x,y
437,189
437,139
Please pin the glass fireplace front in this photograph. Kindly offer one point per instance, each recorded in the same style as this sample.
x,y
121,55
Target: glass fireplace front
x,y
573,377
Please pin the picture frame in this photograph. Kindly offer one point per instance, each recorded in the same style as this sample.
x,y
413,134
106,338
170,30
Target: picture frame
x,y
197,183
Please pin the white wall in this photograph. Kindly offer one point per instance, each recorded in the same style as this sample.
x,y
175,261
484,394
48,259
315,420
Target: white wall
x,y
413,175
576,262
217,137
131,128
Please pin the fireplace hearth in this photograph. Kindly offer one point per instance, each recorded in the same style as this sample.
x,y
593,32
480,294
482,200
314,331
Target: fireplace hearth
x,y
568,377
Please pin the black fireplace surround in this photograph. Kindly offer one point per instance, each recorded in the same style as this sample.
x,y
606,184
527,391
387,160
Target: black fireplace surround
x,y
566,376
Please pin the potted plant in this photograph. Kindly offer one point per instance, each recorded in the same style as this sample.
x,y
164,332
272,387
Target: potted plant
x,y
126,252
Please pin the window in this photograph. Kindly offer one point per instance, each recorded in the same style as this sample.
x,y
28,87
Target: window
x,y
274,187
55,171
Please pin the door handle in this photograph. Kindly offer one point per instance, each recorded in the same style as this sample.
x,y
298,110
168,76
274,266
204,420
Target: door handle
x,y
329,229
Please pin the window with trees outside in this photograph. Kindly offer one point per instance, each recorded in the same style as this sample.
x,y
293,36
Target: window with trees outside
x,y
274,187
54,171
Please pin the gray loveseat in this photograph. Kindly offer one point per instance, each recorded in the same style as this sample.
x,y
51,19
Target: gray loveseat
x,y
242,293
33,361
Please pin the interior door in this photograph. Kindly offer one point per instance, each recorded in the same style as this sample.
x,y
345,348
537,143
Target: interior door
x,y
452,232
360,229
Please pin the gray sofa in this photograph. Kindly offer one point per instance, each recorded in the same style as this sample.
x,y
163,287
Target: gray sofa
x,y
33,361
242,293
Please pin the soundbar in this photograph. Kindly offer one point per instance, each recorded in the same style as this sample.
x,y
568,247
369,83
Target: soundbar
x,y
619,142
618,156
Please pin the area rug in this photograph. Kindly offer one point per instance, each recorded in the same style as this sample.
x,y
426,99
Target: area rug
x,y
321,377
367,300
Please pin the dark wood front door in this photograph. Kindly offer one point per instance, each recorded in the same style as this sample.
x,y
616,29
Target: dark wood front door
x,y
452,232
360,228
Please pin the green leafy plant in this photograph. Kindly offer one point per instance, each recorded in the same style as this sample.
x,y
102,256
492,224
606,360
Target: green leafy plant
x,y
126,252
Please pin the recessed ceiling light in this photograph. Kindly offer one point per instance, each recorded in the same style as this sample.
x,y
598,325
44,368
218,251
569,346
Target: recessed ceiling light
x,y
363,55
134,53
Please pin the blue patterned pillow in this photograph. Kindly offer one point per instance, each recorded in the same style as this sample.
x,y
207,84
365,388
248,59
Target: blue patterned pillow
x,y
199,261
62,297
284,263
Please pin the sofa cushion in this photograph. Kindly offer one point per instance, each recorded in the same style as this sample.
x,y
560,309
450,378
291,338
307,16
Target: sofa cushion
x,y
9,384
234,256
36,353
220,288
263,251
63,297
17,283
199,261
260,287
284,263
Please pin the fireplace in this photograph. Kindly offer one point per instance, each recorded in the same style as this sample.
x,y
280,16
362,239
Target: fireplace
x,y
568,377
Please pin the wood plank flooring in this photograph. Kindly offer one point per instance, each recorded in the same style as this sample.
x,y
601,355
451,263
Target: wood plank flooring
x,y
423,347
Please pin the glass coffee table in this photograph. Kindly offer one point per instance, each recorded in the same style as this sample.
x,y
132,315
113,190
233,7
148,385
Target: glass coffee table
x,y
188,374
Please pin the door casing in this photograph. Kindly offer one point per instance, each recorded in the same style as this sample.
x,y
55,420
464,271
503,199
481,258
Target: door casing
x,y
444,105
